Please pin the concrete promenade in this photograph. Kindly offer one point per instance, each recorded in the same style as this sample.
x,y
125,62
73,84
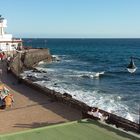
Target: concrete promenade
x,y
31,109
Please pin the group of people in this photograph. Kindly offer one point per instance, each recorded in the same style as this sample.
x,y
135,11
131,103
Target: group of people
x,y
95,112
7,60
6,98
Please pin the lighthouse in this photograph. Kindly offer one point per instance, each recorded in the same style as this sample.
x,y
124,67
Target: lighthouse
x,y
8,44
3,24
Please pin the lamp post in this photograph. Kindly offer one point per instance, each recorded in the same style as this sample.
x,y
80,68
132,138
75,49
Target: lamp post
x,y
19,65
132,68
7,44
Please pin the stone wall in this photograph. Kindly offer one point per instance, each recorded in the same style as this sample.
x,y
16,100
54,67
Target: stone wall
x,y
27,59
32,57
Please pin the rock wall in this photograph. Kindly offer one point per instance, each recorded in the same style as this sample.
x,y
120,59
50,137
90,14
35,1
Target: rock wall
x,y
34,56
27,59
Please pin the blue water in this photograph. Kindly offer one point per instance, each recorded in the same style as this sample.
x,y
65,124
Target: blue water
x,y
114,90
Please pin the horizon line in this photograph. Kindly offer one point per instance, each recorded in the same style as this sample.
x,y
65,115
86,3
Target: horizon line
x,y
80,38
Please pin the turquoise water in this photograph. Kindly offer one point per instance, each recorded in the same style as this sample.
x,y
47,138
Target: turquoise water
x,y
94,71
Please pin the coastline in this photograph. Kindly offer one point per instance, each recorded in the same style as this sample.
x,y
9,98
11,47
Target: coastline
x,y
82,107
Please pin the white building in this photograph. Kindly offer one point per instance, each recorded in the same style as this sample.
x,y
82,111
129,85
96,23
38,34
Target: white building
x,y
8,44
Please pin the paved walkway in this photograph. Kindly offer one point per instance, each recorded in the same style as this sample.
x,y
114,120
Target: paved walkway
x,y
31,109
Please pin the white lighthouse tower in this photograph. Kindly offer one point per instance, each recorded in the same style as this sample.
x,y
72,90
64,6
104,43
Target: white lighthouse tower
x,y
8,44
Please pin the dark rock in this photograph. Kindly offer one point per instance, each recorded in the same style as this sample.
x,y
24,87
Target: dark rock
x,y
67,95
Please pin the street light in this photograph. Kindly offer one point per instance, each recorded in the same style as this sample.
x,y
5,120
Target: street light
x,y
19,65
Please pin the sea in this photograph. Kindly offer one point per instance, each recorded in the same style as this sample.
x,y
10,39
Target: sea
x,y
93,71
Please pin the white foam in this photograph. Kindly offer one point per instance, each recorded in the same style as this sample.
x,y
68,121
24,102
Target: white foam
x,y
41,62
129,117
96,98
42,69
56,57
68,61
91,74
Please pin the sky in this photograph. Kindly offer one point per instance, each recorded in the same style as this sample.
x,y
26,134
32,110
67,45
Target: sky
x,y
72,18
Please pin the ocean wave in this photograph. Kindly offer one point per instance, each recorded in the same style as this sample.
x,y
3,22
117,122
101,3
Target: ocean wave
x,y
68,61
41,69
56,58
72,73
58,79
95,98
85,74
92,75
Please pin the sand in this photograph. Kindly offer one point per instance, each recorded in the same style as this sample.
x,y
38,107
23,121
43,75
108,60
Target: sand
x,y
31,109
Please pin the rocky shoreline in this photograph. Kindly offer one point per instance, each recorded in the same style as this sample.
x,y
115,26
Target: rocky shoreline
x,y
31,58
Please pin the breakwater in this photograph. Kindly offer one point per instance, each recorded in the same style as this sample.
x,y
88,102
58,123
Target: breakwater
x,y
66,98
27,59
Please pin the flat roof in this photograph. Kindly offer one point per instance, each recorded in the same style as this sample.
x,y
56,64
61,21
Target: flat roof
x,y
78,130
11,41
